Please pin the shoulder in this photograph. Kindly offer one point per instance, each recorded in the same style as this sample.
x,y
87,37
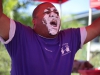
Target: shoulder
x,y
16,29
70,31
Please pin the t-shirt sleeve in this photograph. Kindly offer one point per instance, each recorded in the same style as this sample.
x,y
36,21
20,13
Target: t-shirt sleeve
x,y
19,39
11,32
83,34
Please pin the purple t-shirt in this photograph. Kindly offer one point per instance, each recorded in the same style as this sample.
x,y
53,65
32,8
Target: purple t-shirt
x,y
32,54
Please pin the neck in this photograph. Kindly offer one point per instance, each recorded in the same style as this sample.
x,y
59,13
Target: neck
x,y
46,35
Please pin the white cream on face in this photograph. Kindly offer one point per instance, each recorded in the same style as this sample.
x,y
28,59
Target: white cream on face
x,y
52,20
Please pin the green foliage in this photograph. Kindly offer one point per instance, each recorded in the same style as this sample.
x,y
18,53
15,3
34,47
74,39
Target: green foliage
x,y
4,61
8,6
81,54
24,18
69,22
11,9
95,59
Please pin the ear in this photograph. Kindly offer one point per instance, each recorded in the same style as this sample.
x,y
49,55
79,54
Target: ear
x,y
34,22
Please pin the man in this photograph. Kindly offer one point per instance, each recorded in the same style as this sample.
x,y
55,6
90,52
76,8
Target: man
x,y
43,50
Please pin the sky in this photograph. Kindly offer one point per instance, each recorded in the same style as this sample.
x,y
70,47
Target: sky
x,y
69,7
74,6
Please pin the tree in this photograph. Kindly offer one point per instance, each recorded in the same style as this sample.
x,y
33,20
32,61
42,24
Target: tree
x,y
8,6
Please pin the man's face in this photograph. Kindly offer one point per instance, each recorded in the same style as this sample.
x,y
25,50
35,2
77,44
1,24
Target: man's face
x,y
52,20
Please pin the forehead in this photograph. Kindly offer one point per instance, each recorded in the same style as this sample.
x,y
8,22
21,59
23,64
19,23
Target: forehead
x,y
46,6
49,8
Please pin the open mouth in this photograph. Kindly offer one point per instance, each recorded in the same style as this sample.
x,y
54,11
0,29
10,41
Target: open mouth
x,y
53,23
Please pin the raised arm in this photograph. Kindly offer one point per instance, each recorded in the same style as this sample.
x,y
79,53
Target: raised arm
x,y
1,10
4,24
93,30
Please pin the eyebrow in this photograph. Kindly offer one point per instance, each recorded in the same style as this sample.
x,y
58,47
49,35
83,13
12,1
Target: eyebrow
x,y
47,9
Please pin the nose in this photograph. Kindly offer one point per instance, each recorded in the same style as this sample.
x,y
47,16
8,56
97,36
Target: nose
x,y
52,14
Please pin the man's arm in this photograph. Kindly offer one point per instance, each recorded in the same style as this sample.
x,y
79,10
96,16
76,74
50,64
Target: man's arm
x,y
93,30
1,8
4,24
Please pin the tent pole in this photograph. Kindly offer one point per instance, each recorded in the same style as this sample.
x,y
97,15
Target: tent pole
x,y
88,44
60,1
